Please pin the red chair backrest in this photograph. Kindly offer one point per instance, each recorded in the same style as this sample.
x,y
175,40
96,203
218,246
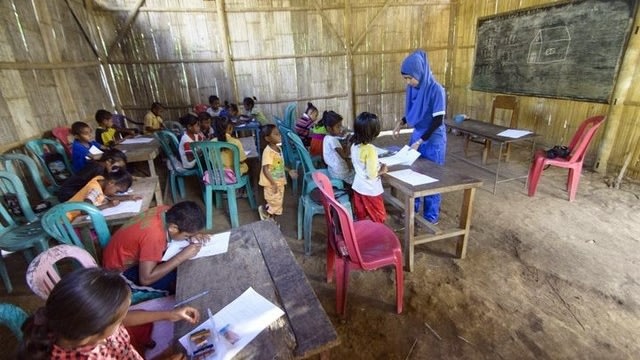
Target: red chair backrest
x,y
582,138
62,134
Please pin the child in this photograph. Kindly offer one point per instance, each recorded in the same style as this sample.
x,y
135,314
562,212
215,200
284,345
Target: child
x,y
152,120
191,134
111,160
231,111
272,175
224,129
101,191
214,108
318,132
81,145
305,122
206,130
333,153
367,186
84,318
106,132
252,111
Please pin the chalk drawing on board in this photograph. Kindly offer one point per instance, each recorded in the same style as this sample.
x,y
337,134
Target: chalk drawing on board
x,y
549,45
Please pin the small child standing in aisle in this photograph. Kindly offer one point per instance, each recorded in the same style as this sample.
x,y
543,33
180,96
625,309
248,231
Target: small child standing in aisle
x,y
367,186
272,174
333,153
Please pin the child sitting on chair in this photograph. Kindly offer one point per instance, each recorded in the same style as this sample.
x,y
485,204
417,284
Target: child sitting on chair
x,y
305,123
333,153
224,129
191,134
251,111
106,132
80,149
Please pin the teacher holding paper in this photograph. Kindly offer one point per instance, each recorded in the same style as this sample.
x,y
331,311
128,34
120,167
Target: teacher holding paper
x,y
424,111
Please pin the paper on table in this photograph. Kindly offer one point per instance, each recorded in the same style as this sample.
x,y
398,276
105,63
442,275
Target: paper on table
x,y
125,207
140,140
93,150
217,244
380,151
406,156
514,134
247,152
247,315
412,177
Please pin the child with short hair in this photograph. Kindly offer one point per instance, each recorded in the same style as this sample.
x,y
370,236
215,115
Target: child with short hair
x,y
214,109
367,186
231,111
272,174
191,134
252,111
305,122
85,317
84,140
106,132
318,133
206,129
153,120
224,129
333,153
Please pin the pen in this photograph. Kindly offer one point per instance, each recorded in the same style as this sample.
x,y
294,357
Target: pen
x,y
191,299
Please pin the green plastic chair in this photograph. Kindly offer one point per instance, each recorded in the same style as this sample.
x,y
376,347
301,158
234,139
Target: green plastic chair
x,y
25,237
9,164
175,127
290,115
307,206
56,223
291,159
210,162
169,144
13,317
44,149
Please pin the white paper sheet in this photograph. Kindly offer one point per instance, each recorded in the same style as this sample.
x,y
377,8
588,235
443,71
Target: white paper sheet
x,y
514,134
93,150
140,140
247,316
412,177
217,244
380,151
125,207
406,156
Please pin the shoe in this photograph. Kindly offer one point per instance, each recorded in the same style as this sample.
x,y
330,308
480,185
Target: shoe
x,y
264,215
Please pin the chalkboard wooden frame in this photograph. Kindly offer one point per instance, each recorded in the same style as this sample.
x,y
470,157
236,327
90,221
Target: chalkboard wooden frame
x,y
570,50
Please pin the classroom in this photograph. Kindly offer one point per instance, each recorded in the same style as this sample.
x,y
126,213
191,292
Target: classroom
x,y
381,179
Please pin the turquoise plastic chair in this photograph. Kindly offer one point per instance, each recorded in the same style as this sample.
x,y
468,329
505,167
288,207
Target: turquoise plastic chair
x,y
13,317
56,223
16,236
169,144
307,207
291,159
58,171
9,164
209,161
175,127
290,115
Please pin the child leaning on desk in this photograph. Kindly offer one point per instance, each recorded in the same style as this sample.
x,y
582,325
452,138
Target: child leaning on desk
x,y
84,140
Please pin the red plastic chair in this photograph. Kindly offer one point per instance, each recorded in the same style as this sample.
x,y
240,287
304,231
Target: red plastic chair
x,y
364,244
578,147
62,134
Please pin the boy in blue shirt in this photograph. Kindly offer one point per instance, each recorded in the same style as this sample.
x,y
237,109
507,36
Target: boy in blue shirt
x,y
80,153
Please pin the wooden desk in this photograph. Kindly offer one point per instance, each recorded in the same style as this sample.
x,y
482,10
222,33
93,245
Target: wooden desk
x,y
448,180
490,131
259,257
144,152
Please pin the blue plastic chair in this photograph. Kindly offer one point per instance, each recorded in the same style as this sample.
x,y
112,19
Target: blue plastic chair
x,y
13,317
44,149
307,207
9,161
169,144
209,160
175,127
16,236
291,159
290,115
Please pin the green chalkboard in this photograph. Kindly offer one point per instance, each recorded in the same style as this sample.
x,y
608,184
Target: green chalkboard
x,y
568,50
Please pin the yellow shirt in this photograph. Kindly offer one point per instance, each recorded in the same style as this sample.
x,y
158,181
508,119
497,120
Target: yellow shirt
x,y
227,156
91,192
153,121
274,160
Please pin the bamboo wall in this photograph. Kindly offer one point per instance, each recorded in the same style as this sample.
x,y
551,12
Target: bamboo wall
x,y
61,60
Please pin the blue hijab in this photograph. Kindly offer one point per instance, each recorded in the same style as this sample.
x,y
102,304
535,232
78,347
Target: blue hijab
x,y
417,106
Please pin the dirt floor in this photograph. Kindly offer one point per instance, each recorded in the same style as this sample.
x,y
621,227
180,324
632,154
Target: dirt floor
x,y
544,278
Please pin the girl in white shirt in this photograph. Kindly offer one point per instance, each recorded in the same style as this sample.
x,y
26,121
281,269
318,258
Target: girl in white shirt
x,y
333,153
191,134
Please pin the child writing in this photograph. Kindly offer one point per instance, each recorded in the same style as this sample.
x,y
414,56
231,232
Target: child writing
x,y
106,131
191,134
305,123
224,129
252,111
272,175
85,317
231,111
333,153
80,153
318,132
367,186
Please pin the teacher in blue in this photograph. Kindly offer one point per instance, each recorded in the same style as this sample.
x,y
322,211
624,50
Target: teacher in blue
x,y
424,112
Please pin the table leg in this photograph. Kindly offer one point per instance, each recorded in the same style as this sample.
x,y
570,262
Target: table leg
x,y
409,225
533,149
495,183
465,221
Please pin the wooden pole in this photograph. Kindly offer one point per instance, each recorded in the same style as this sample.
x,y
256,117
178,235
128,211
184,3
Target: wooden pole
x,y
349,42
127,24
226,48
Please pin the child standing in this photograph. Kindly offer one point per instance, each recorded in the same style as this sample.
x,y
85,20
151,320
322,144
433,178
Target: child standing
x,y
305,123
333,153
367,186
191,134
272,175
224,129
252,111
83,142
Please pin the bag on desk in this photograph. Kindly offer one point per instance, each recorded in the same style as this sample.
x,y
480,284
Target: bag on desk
x,y
558,151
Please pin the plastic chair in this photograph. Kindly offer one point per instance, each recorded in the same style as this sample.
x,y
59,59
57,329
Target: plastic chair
x,y
169,144
62,134
13,317
500,103
290,115
122,122
56,223
307,207
364,244
289,155
209,160
578,147
175,127
53,159
16,237
42,274
9,164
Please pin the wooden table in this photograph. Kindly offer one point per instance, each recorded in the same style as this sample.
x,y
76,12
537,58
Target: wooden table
x,y
490,131
448,180
144,152
259,257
